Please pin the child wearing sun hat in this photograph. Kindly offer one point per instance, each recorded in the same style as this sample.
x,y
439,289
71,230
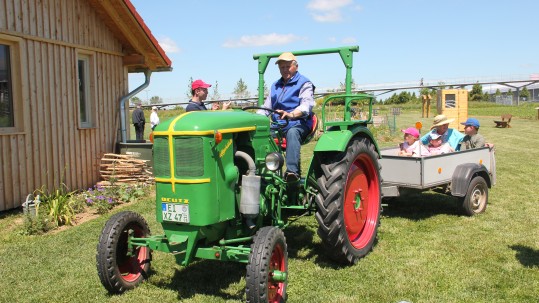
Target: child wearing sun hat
x,y
412,147
437,147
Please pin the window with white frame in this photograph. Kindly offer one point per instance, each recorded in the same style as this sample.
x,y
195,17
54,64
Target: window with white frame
x,y
7,117
86,100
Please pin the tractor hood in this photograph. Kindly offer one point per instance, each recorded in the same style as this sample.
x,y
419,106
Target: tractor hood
x,y
207,122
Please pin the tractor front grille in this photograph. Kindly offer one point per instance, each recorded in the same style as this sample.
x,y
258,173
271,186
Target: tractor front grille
x,y
161,156
189,156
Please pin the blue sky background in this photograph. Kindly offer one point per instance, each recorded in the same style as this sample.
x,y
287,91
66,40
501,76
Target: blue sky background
x,y
399,40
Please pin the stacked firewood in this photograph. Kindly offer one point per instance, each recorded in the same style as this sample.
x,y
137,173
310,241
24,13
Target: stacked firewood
x,y
125,169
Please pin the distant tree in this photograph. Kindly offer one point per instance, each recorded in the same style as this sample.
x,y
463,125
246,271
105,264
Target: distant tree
x,y
215,93
509,92
442,85
486,96
156,100
498,92
477,93
135,100
241,90
524,93
188,93
342,85
266,90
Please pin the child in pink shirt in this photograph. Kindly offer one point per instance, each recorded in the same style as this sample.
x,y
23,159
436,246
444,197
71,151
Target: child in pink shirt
x,y
412,147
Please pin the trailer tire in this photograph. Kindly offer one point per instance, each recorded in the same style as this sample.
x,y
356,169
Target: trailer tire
x,y
475,201
117,270
349,201
268,254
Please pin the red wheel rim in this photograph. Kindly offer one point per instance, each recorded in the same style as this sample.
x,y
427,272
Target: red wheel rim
x,y
131,267
277,262
361,200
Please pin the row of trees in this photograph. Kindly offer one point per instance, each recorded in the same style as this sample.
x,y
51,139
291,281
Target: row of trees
x,y
241,91
476,94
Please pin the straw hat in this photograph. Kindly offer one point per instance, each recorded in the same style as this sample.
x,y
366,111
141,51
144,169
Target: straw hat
x,y
441,120
286,57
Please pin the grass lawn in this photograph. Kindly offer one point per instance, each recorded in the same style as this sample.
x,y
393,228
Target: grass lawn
x,y
426,251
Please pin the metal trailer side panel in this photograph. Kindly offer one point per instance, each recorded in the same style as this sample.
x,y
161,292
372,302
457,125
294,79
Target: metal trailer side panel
x,y
439,169
429,171
402,171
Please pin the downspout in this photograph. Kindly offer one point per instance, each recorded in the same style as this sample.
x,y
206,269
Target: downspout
x,y
123,123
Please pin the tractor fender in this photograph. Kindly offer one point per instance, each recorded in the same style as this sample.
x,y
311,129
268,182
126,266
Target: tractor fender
x,y
335,141
463,175
338,140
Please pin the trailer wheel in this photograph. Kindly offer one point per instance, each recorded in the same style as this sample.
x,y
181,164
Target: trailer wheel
x,y
475,201
349,202
119,267
267,269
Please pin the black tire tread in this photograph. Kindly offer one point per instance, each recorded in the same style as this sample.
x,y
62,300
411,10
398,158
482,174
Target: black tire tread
x,y
466,207
106,249
256,276
329,201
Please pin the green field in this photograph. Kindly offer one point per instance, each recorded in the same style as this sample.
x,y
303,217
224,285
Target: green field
x,y
426,251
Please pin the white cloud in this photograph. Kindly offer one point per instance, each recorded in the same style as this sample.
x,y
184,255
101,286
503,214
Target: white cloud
x,y
328,5
261,40
333,16
328,10
349,40
168,45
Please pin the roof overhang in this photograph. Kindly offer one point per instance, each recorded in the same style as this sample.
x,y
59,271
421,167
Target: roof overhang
x,y
141,49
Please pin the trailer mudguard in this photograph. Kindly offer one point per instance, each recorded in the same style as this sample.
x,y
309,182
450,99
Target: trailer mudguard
x,y
462,176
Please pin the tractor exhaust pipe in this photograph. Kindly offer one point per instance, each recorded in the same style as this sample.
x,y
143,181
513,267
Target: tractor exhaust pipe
x,y
250,191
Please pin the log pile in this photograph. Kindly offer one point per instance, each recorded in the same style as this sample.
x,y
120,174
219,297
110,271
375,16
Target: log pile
x,y
124,169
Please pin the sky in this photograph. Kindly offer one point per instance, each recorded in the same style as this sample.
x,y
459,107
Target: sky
x,y
399,41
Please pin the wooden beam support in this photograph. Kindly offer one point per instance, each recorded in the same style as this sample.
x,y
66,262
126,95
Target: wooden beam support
x,y
133,59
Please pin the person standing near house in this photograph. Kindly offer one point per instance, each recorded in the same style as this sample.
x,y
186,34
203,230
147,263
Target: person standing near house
x,y
154,118
199,91
139,121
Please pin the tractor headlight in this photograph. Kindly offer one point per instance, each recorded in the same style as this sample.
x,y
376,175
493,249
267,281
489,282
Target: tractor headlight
x,y
274,161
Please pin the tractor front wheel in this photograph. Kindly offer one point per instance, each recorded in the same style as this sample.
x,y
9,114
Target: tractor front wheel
x,y
120,266
267,269
348,201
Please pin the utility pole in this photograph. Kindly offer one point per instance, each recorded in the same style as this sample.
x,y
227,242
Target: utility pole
x,y
147,100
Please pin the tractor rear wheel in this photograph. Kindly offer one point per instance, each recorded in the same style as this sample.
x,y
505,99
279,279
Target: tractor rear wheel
x,y
267,269
348,201
119,266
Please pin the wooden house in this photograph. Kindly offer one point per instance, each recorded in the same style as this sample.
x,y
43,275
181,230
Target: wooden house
x,y
64,68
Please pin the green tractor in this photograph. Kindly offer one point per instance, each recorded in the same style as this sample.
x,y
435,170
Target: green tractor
x,y
221,194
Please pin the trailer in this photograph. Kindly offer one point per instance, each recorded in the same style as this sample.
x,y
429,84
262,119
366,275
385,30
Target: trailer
x,y
467,175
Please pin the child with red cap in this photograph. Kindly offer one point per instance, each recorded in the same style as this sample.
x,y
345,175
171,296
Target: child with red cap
x,y
412,147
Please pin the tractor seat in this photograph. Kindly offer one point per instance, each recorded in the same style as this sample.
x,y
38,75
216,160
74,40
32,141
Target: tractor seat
x,y
308,138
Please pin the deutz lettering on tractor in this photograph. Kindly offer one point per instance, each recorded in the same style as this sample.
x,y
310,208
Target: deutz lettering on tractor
x,y
221,194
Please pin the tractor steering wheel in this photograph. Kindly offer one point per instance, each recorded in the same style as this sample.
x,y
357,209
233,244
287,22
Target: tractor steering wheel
x,y
273,121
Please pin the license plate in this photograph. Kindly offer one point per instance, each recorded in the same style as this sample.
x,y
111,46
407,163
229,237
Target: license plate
x,y
175,212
